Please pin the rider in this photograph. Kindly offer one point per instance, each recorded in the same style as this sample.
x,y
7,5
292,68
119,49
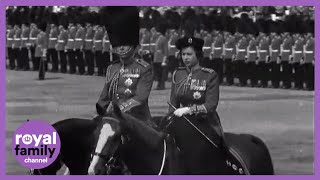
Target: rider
x,y
129,80
195,95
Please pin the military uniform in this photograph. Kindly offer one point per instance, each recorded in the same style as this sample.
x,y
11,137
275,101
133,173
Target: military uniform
x,y
24,47
229,53
285,53
70,48
263,53
145,47
274,60
79,44
217,50
17,48
297,54
52,52
32,40
106,54
129,85
173,62
60,48
197,89
309,63
252,54
88,50
207,49
239,62
159,56
41,53
9,45
97,44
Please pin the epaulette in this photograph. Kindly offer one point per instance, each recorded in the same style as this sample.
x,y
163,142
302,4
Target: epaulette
x,y
142,62
207,70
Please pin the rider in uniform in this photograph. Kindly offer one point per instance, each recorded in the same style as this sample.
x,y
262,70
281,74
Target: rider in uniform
x,y
195,95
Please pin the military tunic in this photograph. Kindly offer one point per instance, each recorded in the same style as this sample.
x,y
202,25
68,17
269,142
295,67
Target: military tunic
x,y
309,64
129,86
52,52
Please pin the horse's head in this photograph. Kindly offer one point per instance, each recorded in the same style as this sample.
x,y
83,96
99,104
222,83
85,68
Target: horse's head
x,y
108,139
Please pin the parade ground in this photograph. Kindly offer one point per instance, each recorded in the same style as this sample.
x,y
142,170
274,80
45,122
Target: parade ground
x,y
284,119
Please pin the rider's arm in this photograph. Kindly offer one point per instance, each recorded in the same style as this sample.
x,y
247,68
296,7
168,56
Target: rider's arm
x,y
104,100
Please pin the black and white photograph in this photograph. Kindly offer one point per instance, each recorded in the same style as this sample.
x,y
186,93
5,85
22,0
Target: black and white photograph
x,y
164,90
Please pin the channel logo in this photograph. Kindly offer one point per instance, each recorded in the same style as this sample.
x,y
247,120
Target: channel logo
x,y
35,144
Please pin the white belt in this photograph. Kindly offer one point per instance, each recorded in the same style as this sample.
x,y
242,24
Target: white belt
x,y
217,48
78,39
24,38
145,44
70,39
33,38
9,39
285,50
228,49
152,44
241,50
98,41
263,51
53,38
106,41
308,52
298,52
60,41
17,39
172,46
252,51
88,40
206,47
274,50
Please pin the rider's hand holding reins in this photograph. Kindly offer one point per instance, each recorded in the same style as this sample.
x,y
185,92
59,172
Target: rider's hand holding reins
x,y
182,111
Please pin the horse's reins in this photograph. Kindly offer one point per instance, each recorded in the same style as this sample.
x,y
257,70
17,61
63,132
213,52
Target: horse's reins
x,y
232,151
194,126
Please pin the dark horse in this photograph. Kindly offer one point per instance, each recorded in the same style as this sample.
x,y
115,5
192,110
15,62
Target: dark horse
x,y
87,147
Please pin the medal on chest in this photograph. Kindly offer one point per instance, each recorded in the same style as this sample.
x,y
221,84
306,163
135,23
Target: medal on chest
x,y
196,95
128,82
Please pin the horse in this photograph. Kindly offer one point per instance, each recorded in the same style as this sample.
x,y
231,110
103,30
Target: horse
x,y
86,149
144,151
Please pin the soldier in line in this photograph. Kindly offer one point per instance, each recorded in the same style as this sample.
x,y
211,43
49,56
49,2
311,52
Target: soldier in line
x,y
60,47
252,55
88,49
263,55
70,48
297,53
25,46
9,44
308,63
16,47
41,50
285,54
97,45
106,49
32,40
160,59
207,49
52,54
79,43
274,62
229,49
217,56
173,62
145,51
239,61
